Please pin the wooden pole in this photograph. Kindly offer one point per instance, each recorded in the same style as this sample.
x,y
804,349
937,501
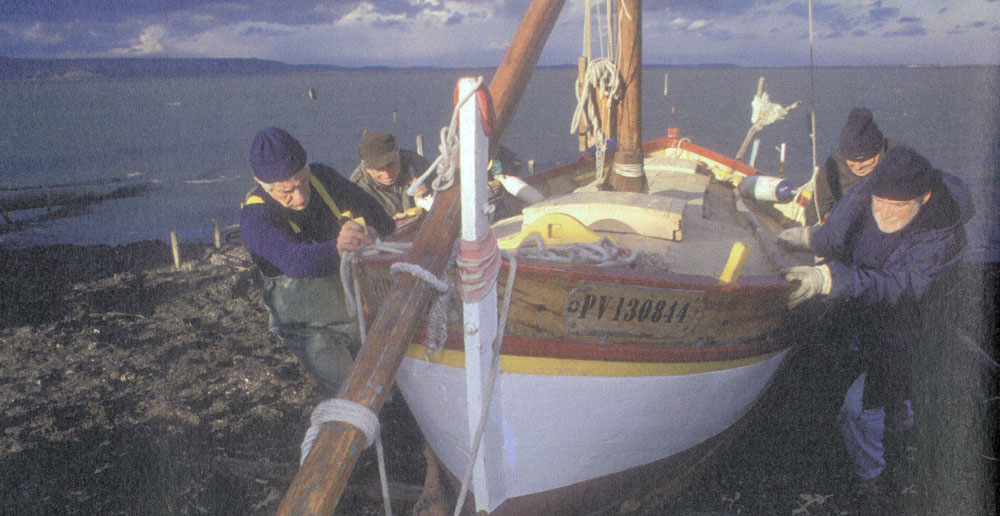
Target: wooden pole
x,y
318,484
420,145
175,250
581,88
628,172
217,233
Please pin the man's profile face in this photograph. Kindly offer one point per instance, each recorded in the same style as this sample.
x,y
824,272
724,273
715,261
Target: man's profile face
x,y
864,167
292,193
892,216
388,174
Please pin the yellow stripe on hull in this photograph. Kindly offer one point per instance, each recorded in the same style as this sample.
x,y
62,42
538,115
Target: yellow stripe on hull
x,y
544,366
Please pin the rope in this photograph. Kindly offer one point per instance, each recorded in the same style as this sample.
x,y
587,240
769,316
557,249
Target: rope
x,y
628,169
494,372
358,416
602,253
437,315
447,161
478,265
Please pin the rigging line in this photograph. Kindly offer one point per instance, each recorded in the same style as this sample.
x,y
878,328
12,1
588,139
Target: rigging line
x,y
812,109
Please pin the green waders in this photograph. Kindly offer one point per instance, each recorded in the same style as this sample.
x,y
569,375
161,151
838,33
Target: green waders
x,y
310,317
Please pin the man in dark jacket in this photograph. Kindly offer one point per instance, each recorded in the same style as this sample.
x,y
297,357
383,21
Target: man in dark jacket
x,y
295,227
889,248
386,171
861,147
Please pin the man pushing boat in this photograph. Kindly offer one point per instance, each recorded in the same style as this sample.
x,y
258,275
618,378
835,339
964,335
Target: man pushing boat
x,y
889,253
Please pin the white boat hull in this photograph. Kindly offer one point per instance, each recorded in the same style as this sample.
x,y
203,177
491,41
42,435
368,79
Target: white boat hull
x,y
563,429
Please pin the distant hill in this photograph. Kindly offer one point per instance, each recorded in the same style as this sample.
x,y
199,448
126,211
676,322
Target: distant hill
x,y
53,69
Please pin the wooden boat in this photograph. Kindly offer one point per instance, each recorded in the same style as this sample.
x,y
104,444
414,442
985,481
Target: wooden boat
x,y
613,379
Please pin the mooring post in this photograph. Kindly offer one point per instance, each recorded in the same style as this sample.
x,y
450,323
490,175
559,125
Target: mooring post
x,y
175,249
217,233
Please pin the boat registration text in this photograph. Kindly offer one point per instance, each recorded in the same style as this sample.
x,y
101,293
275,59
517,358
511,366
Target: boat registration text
x,y
607,308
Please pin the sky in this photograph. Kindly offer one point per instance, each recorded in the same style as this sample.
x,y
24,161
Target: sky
x,y
475,33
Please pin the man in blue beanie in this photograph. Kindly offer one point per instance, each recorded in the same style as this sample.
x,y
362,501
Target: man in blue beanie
x,y
294,225
861,147
889,252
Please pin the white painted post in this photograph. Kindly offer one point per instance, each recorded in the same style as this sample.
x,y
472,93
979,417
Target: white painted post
x,y
480,317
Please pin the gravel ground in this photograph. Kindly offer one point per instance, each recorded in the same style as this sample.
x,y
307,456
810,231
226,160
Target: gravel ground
x,y
130,388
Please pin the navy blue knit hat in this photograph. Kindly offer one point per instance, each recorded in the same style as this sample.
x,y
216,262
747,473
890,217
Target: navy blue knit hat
x,y
860,138
275,155
902,174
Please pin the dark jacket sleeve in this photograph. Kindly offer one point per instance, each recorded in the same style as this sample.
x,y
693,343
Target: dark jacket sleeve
x,y
266,234
825,196
909,272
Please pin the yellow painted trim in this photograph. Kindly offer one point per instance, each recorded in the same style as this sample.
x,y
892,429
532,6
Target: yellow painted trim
x,y
734,266
539,366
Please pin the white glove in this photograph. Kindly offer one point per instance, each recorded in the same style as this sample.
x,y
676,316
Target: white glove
x,y
797,237
812,281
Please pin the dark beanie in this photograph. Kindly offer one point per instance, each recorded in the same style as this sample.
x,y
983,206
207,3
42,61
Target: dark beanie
x,y
860,138
902,175
275,155
377,149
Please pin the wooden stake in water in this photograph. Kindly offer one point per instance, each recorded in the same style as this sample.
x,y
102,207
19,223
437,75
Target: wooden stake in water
x,y
176,250
217,233
531,166
393,118
420,144
666,83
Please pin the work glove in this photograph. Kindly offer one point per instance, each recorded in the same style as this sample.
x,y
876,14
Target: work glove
x,y
812,280
796,238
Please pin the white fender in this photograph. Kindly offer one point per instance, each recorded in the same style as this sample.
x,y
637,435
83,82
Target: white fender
x,y
518,188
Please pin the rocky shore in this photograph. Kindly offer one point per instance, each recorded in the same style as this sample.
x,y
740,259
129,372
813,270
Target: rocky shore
x,y
128,387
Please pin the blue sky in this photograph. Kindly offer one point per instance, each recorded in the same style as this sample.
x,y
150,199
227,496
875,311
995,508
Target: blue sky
x,y
476,32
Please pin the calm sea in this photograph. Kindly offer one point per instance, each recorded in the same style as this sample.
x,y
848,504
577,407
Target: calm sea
x,y
188,137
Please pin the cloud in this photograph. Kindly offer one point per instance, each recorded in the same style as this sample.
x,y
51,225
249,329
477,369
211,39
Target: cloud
x,y
150,42
909,30
41,34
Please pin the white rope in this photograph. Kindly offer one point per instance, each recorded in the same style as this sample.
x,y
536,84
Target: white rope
x,y
447,161
602,253
437,315
358,416
628,169
494,372
601,74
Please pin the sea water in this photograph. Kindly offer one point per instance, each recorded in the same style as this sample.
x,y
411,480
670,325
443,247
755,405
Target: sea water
x,y
187,139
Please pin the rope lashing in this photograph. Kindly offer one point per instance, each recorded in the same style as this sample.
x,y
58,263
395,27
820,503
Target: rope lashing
x,y
601,75
478,265
447,161
437,316
358,416
628,169
349,281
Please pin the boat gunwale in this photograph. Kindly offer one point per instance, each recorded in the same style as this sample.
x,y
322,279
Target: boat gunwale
x,y
651,352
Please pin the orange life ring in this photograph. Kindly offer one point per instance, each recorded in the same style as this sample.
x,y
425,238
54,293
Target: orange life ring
x,y
485,104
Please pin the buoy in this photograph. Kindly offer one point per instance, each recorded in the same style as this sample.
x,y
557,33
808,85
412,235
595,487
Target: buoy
x,y
518,188
766,188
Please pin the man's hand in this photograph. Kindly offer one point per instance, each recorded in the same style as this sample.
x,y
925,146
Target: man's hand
x,y
421,189
352,237
812,281
796,238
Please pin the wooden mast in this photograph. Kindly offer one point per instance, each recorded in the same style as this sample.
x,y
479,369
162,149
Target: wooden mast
x,y
317,486
628,175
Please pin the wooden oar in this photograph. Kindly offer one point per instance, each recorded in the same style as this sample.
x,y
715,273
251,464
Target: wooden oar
x,y
318,484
